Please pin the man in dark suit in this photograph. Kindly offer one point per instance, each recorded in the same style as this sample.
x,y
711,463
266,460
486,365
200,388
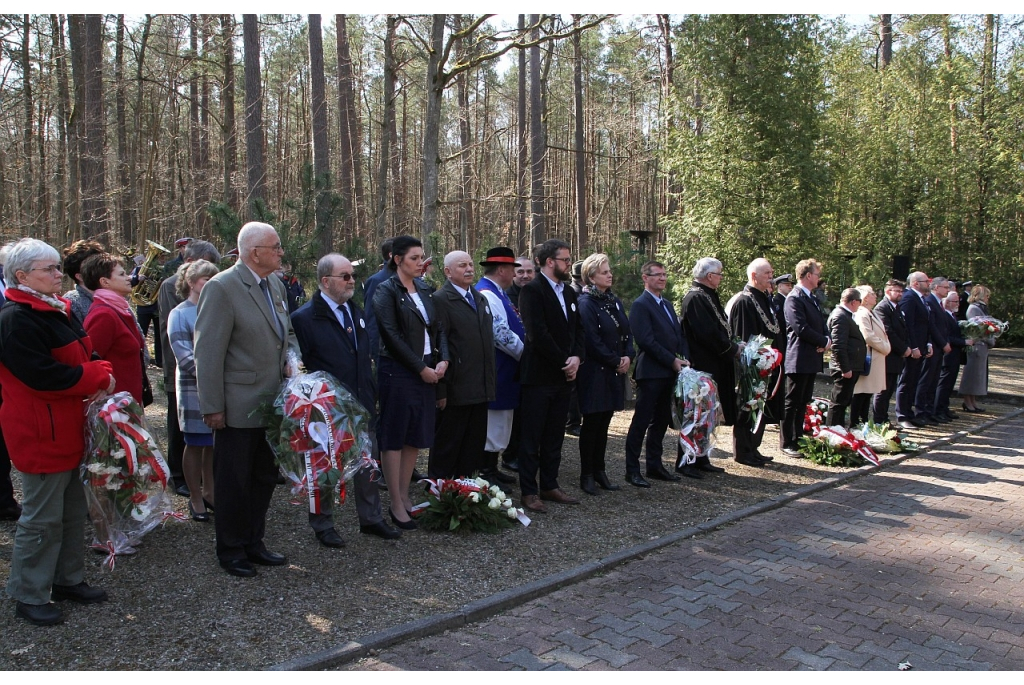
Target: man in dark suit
x,y
754,314
332,336
848,355
662,353
243,336
167,299
951,360
551,359
889,312
915,313
468,383
783,287
806,344
924,398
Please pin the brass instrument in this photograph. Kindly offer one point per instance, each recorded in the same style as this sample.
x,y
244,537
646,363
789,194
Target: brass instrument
x,y
145,293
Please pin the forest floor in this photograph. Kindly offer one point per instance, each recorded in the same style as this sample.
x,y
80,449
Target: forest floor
x,y
172,607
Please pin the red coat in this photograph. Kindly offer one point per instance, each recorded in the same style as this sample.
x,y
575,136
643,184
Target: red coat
x,y
116,338
46,374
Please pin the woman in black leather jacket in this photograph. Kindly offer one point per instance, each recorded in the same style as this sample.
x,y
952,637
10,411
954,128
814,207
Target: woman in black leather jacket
x,y
413,357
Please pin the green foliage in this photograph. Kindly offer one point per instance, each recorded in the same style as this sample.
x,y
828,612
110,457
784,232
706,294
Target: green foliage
x,y
821,452
453,511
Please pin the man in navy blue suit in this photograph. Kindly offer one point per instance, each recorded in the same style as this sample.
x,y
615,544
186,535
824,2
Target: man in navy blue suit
x,y
924,399
805,349
915,313
333,337
662,354
951,359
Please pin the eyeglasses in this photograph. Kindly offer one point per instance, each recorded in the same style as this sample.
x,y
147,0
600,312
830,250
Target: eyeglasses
x,y
344,277
51,269
276,248
715,273
567,260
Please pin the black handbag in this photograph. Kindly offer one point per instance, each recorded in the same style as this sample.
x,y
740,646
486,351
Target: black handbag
x,y
147,389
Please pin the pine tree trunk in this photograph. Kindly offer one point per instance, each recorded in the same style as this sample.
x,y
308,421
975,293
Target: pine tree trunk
x,y
123,199
321,151
384,151
581,168
28,209
229,138
94,205
432,128
522,148
350,155
537,141
255,161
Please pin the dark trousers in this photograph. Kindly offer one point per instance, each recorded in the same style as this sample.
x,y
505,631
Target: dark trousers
x,y
799,391
745,440
880,402
924,399
575,418
511,452
244,478
175,440
906,388
594,442
651,417
7,500
860,408
840,397
367,496
947,381
544,408
150,314
459,441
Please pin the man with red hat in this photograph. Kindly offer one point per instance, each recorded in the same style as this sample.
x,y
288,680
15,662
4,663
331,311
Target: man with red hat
x,y
171,267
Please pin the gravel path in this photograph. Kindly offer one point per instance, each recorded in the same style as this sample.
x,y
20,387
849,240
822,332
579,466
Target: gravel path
x,y
172,607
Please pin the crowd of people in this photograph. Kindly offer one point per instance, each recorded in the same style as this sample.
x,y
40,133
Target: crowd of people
x,y
486,372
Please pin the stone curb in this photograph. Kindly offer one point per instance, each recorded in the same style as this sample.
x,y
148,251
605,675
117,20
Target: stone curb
x,y
489,606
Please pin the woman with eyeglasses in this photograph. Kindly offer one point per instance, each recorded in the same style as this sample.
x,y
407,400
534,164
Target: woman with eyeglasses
x,y
111,323
413,357
46,374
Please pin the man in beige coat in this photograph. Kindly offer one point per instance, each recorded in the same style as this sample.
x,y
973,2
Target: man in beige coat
x,y
243,335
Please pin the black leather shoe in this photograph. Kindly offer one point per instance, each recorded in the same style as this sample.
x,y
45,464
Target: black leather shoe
x,y
203,517
494,476
512,466
690,471
239,567
39,614
791,452
11,513
708,467
404,525
750,460
381,530
587,485
330,538
267,558
663,474
209,507
952,415
601,478
637,480
417,476
182,490
765,457
941,418
81,593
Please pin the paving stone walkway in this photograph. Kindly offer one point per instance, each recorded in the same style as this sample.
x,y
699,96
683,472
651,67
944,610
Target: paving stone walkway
x,y
922,563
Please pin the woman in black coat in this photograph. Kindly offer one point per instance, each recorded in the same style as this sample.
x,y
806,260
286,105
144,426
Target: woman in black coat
x,y
413,357
602,379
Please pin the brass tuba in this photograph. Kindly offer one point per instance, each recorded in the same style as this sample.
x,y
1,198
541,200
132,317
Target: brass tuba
x,y
145,293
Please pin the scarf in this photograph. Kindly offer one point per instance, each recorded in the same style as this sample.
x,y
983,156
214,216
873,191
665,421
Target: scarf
x,y
48,299
113,299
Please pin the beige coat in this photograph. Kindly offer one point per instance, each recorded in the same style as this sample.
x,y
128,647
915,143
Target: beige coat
x,y
240,360
873,330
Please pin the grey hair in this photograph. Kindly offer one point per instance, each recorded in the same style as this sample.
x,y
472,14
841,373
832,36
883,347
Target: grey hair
x,y
704,266
3,252
201,249
325,266
951,293
940,280
22,254
755,265
250,235
451,257
864,290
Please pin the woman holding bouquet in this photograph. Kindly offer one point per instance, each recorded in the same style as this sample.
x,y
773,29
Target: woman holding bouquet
x,y
602,380
197,461
111,324
873,330
413,357
46,374
974,381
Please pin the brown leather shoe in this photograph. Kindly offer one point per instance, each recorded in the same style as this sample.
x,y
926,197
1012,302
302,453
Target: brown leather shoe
x,y
533,503
557,495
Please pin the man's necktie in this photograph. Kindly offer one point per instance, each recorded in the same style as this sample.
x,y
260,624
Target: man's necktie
x,y
470,299
668,310
349,328
265,287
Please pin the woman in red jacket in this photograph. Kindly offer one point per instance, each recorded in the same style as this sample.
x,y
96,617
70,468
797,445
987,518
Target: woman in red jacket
x,y
111,323
46,375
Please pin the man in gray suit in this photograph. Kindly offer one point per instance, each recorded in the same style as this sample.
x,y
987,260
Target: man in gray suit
x,y
243,335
